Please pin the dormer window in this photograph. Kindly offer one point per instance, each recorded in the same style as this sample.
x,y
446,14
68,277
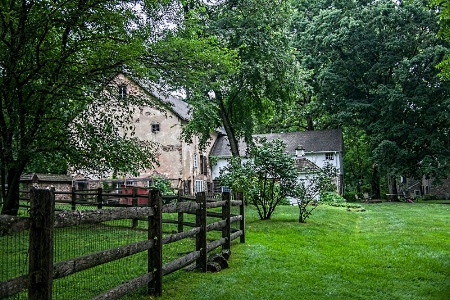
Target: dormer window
x,y
122,91
155,127
299,151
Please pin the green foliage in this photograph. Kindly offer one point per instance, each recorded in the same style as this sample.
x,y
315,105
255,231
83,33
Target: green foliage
x,y
357,160
54,57
331,197
59,106
427,197
310,188
285,201
163,185
267,178
372,67
257,31
350,196
443,7
349,206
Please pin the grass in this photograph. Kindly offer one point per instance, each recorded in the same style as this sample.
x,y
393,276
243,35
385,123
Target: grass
x,y
390,251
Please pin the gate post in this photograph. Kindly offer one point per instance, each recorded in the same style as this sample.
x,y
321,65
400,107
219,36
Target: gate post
x,y
226,215
134,203
73,199
155,234
99,198
180,215
200,239
240,197
42,209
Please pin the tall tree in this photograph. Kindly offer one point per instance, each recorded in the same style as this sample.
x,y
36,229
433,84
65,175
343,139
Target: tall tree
x,y
258,31
377,71
55,57
443,7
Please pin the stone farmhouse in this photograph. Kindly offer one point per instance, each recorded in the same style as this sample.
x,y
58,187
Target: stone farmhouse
x,y
184,165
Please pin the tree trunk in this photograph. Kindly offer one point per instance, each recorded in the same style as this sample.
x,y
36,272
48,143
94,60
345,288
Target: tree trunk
x,y
375,183
309,119
234,145
394,189
11,200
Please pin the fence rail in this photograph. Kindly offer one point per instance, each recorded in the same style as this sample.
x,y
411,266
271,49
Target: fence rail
x,y
43,219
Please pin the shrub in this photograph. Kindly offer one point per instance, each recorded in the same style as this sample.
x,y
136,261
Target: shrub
x,y
162,184
268,177
350,196
331,197
285,201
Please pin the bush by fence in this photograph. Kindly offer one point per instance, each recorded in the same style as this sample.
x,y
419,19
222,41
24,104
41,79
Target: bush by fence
x,y
44,220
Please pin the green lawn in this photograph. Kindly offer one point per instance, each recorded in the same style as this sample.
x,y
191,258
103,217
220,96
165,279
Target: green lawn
x,y
390,251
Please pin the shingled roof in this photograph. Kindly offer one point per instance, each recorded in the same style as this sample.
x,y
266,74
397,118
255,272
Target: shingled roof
x,y
36,177
173,103
315,141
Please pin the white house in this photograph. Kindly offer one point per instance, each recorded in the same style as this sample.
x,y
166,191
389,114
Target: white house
x,y
311,149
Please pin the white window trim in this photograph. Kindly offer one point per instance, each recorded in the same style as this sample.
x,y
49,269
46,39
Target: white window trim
x,y
122,91
195,161
199,186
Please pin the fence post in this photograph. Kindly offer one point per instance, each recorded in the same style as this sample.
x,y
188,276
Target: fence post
x,y
41,244
200,239
134,202
99,198
155,234
240,196
74,199
226,215
180,215
180,222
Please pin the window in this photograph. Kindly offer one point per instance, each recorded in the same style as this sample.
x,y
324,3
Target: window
x,y
203,165
195,161
329,156
226,189
82,185
122,91
199,187
155,127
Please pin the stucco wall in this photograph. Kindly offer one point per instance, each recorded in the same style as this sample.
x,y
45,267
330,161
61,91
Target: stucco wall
x,y
176,158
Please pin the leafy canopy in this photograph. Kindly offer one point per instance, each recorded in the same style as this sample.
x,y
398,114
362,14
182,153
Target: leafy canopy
x,y
56,56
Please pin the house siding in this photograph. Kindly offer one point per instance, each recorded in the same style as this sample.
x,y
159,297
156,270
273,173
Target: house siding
x,y
175,157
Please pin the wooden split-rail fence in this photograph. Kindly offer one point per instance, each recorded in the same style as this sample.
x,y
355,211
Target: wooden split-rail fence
x,y
43,219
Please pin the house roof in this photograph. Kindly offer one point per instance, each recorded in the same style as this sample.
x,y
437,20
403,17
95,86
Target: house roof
x,y
174,104
315,141
35,177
